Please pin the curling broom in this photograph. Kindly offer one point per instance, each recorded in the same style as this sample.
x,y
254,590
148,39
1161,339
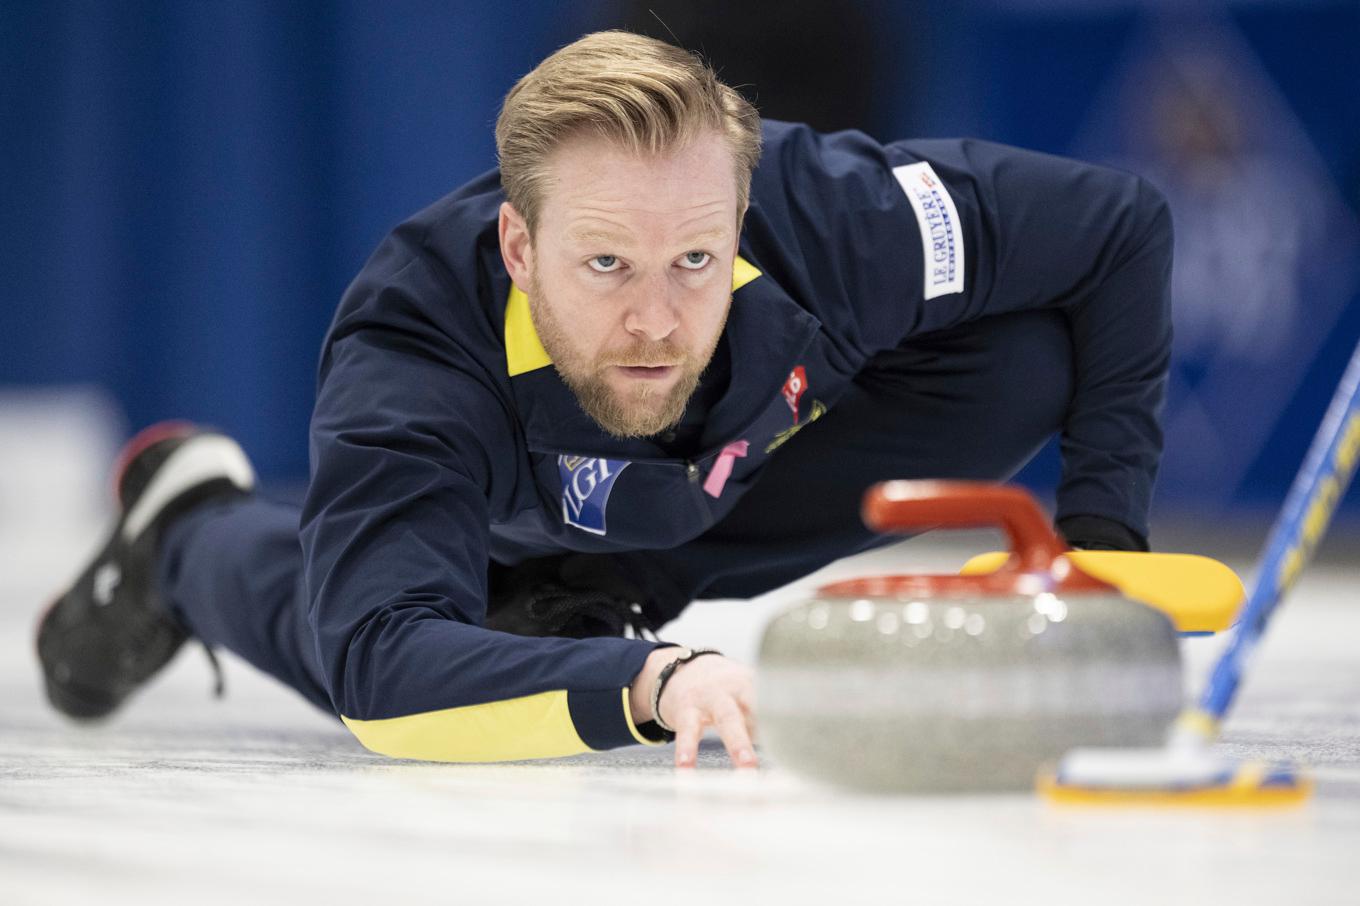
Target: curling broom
x,y
1186,770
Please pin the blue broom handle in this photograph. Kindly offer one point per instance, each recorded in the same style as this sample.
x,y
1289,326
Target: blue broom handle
x,y
1317,489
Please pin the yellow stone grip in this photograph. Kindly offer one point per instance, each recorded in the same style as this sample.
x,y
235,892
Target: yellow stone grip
x,y
1199,594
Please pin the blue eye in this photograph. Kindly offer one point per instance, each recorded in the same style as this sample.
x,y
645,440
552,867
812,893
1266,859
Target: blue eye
x,y
695,260
604,264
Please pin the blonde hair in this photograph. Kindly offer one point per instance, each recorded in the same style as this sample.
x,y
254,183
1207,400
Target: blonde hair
x,y
644,94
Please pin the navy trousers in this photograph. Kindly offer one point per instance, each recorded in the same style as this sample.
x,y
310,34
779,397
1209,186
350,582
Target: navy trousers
x,y
976,401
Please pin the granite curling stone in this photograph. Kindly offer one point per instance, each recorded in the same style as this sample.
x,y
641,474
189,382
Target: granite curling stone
x,y
950,684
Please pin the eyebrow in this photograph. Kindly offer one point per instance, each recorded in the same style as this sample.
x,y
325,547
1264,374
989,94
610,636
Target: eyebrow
x,y
588,234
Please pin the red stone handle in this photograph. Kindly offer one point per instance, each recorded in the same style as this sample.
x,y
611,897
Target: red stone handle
x,y
907,506
1037,561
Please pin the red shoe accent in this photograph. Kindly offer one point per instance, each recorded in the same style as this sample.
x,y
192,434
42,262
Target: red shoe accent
x,y
140,443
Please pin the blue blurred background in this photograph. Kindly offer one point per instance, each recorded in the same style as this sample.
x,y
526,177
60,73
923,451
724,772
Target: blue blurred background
x,y
189,186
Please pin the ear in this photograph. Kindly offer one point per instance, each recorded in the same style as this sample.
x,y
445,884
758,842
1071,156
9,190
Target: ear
x,y
516,246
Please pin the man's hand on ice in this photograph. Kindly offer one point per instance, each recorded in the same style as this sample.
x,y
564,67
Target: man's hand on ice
x,y
710,691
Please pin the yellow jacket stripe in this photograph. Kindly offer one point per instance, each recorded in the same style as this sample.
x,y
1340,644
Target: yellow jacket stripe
x,y
534,726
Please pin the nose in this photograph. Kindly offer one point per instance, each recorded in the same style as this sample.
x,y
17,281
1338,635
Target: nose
x,y
652,312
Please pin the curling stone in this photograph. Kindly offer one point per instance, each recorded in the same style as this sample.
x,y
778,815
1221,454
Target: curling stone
x,y
935,684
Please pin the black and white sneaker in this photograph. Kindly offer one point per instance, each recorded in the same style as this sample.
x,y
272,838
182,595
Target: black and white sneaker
x,y
110,632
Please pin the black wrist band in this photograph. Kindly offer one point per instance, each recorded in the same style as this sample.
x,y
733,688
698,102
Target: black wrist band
x,y
660,686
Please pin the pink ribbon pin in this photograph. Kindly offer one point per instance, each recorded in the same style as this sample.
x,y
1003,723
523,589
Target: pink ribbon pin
x,y
722,467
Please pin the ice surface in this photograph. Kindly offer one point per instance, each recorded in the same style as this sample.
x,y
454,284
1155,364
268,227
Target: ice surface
x,y
258,798
182,799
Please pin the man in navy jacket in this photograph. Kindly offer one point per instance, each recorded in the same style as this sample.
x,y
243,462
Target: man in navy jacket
x,y
631,368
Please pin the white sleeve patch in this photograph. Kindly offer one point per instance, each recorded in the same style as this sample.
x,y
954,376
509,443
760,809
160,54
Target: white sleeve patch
x,y
941,232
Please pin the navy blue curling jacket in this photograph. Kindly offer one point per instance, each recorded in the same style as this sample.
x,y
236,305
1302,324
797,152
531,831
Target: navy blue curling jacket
x,y
442,436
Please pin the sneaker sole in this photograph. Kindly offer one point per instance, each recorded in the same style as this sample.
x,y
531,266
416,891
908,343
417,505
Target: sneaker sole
x,y
201,459
140,443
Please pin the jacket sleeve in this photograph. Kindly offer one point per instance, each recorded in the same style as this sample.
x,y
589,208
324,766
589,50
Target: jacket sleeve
x,y
407,441
1096,243
918,236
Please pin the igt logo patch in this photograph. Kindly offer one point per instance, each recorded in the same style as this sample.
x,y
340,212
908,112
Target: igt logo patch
x,y
586,484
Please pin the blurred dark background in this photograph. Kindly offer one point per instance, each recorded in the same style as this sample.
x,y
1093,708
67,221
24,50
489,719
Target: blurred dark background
x,y
187,187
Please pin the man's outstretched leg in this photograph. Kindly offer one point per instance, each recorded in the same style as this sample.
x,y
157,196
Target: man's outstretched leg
x,y
111,630
231,572
192,554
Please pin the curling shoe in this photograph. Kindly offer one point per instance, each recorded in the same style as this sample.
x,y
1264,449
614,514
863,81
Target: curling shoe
x,y
111,631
